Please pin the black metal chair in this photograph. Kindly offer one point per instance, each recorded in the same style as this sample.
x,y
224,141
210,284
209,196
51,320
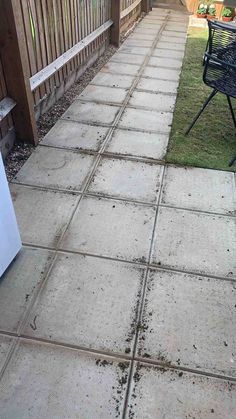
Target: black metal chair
x,y
220,66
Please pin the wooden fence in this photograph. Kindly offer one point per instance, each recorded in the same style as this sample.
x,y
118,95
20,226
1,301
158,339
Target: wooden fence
x,y
55,41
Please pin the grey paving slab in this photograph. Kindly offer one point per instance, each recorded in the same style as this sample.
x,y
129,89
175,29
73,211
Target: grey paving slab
x,y
113,80
5,346
189,321
146,31
161,73
139,144
117,68
173,41
173,34
153,101
42,215
171,46
56,168
141,119
100,313
165,62
19,284
134,50
73,135
174,27
127,179
195,242
156,85
168,53
111,228
43,381
138,42
103,94
127,59
200,189
159,393
138,35
151,25
92,113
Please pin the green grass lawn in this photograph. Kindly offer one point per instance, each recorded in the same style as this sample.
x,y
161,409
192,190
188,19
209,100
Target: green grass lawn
x,y
212,141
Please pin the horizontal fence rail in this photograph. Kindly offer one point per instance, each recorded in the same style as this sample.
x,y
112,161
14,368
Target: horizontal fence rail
x,y
45,46
54,30
128,9
47,72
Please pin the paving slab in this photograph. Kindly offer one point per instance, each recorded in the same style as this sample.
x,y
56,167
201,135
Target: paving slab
x,y
56,168
103,94
200,189
189,321
168,53
156,85
151,25
153,101
138,42
134,50
5,346
113,80
111,228
117,68
127,59
139,144
171,46
195,242
141,119
92,113
100,313
161,393
174,27
127,179
173,41
45,381
41,215
73,135
146,30
19,284
165,62
173,34
161,73
141,36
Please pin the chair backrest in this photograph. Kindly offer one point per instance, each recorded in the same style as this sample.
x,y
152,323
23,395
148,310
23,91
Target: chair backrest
x,y
222,41
220,58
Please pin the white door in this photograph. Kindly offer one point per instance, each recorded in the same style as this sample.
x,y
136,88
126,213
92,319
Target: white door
x,y
10,242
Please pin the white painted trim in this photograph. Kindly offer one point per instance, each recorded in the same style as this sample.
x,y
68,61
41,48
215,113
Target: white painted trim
x,y
49,70
129,9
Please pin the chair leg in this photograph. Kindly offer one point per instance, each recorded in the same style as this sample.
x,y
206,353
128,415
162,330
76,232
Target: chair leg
x,y
213,93
231,110
232,161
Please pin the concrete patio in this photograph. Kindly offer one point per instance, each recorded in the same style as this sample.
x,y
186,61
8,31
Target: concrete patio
x,y
122,302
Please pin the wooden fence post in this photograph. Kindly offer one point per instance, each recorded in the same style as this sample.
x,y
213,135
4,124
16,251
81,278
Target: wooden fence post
x,y
13,53
115,16
145,6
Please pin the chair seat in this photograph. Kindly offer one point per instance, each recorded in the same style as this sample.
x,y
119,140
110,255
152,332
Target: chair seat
x,y
225,84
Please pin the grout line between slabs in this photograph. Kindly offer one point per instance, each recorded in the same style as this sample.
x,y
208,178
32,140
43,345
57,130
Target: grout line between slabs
x,y
81,193
143,292
96,163
132,262
112,355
